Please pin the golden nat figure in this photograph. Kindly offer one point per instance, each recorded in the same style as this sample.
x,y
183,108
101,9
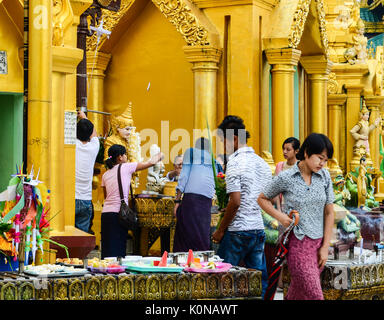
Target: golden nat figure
x,y
360,132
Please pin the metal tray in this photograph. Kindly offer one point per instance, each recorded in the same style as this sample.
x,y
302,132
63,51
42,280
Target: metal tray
x,y
151,269
80,272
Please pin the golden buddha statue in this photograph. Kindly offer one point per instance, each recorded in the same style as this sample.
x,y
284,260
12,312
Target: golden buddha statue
x,y
360,132
124,133
362,183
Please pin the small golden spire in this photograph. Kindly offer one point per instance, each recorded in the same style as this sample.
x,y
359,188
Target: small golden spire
x,y
364,109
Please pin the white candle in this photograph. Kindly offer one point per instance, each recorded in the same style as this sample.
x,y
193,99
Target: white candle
x,y
361,246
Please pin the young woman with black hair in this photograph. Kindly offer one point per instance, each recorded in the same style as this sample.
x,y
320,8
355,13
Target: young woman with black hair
x,y
307,188
113,235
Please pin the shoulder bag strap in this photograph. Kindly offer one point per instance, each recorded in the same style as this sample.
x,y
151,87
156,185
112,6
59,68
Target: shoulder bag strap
x,y
132,196
119,180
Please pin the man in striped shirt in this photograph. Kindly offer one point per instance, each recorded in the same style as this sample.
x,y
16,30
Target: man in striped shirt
x,y
241,233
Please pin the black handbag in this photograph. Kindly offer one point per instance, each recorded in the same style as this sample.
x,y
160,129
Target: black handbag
x,y
127,216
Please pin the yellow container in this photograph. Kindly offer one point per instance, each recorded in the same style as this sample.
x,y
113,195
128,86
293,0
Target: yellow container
x,y
170,189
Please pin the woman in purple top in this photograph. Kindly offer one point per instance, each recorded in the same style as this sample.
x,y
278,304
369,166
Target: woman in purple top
x,y
113,235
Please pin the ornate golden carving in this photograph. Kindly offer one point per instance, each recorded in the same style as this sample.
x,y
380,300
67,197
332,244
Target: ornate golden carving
x,y
126,287
109,288
45,293
241,284
154,287
374,275
176,11
332,84
76,289
380,274
26,291
227,285
9,291
60,289
155,213
110,20
254,283
141,287
213,286
169,287
92,289
198,286
299,18
332,294
186,23
322,25
184,286
62,19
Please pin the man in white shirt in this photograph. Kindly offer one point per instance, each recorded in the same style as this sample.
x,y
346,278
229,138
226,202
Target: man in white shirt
x,y
87,148
241,232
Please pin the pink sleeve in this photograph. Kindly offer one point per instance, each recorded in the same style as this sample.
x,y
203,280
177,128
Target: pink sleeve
x,y
131,167
279,167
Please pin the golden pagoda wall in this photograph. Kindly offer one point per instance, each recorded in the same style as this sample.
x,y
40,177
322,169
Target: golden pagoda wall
x,y
11,41
149,68
240,25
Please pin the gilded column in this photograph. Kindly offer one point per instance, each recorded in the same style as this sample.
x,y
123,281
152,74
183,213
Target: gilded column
x,y
283,63
78,7
335,103
205,61
57,148
65,61
351,118
40,92
318,69
96,65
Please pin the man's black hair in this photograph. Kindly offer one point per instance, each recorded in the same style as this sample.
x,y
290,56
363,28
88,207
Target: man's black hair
x,y
84,130
233,124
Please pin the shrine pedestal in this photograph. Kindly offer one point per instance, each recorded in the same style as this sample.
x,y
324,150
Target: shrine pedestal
x,y
79,243
346,280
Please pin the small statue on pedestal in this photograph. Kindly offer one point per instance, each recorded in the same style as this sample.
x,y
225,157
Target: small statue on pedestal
x,y
358,53
360,132
359,183
155,177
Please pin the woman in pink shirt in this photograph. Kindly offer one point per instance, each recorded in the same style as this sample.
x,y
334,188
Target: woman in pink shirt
x,y
291,147
113,235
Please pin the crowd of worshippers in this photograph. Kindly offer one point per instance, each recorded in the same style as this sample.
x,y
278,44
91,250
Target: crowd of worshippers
x,y
300,183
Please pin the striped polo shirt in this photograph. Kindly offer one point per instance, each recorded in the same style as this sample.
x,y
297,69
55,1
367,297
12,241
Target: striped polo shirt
x,y
248,174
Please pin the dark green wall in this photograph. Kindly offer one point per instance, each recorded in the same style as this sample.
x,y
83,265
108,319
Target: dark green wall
x,y
11,136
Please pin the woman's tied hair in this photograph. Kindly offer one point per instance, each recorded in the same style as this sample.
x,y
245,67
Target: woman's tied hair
x,y
114,152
